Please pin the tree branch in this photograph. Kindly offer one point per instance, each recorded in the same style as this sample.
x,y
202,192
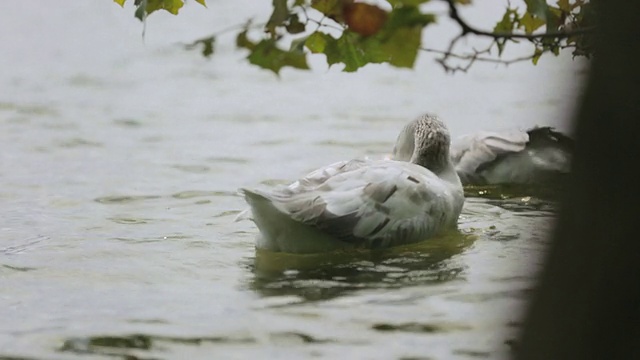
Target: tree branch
x,y
471,58
476,56
468,29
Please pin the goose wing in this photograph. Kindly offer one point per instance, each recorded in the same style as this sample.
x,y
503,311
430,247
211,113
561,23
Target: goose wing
x,y
370,203
471,153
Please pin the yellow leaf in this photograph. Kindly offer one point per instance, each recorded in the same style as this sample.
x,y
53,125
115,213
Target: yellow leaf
x,y
120,2
201,2
171,6
531,23
536,56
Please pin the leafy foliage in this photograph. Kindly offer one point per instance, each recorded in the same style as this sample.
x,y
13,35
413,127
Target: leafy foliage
x,y
267,55
566,16
355,33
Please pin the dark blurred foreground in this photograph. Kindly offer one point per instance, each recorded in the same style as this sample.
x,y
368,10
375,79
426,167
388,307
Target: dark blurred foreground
x,y
587,304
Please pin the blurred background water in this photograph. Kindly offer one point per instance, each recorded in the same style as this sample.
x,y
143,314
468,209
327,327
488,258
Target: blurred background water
x,y
120,159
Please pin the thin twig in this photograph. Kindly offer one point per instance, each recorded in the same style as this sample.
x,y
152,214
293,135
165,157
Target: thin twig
x,y
476,57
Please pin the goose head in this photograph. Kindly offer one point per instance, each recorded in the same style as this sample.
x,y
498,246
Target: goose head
x,y
424,141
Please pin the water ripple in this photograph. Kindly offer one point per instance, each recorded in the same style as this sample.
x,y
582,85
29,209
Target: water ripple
x,y
29,109
145,240
421,327
514,192
196,169
131,346
228,160
124,199
326,276
370,147
485,297
473,353
189,194
18,268
275,182
128,123
79,142
26,245
227,213
274,142
130,220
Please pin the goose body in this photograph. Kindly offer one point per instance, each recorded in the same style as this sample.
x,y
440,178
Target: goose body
x,y
368,204
537,156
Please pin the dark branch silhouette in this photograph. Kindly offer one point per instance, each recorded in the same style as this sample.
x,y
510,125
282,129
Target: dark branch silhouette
x,y
468,29
540,40
471,58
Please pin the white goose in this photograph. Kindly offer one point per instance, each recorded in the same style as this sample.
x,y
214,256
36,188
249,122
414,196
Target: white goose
x,y
368,204
536,156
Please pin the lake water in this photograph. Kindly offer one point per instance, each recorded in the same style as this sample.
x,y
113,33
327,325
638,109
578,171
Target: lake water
x,y
120,159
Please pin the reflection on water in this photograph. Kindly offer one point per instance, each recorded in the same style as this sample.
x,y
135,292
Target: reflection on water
x,y
326,276
394,295
525,199
141,346
510,191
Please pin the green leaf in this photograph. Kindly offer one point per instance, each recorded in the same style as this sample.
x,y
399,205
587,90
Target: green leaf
x,y
207,45
331,8
172,6
536,56
120,2
530,23
278,16
397,43
299,3
201,2
348,49
501,43
537,8
401,48
406,17
141,11
554,16
146,7
352,55
401,37
317,42
294,26
509,20
242,41
396,3
267,55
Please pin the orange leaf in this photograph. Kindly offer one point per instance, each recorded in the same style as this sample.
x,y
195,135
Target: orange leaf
x,y
364,19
